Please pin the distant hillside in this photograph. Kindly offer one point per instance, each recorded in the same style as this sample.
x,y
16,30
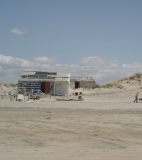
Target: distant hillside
x,y
132,82
6,87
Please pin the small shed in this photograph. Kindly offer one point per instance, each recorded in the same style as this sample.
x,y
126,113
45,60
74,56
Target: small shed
x,y
82,82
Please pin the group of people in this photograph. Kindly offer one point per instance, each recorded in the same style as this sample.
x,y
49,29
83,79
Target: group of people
x,y
136,97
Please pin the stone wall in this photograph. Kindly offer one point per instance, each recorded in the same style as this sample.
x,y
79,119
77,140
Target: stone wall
x,y
82,82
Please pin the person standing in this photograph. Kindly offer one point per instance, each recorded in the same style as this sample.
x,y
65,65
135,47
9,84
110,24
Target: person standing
x,y
136,97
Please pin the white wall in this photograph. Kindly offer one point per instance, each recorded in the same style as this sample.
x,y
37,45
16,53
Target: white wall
x,y
62,88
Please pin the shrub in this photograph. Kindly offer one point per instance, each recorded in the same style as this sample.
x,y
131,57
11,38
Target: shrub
x,y
113,84
120,86
108,85
136,76
13,85
6,85
95,86
132,77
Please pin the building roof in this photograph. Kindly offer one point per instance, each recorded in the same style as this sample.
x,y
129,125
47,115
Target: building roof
x,y
62,79
35,80
28,73
63,74
82,79
44,76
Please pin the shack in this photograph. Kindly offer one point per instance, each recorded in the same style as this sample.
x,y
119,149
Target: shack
x,y
82,82
56,83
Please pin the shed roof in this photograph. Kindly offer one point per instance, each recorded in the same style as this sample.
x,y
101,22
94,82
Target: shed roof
x,y
82,79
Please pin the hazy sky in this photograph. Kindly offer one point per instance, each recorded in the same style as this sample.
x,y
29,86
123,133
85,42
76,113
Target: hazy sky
x,y
98,38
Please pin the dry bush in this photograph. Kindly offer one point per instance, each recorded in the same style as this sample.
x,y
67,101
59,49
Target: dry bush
x,y
116,84
95,86
13,85
120,86
132,77
124,79
108,85
135,76
138,75
6,85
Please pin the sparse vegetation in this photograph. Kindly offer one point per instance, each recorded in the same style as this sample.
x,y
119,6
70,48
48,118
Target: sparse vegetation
x,y
135,76
123,79
108,85
13,85
138,75
6,85
118,84
95,86
115,84
132,77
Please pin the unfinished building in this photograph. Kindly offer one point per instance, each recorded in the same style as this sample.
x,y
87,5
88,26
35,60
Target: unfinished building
x,y
82,82
56,83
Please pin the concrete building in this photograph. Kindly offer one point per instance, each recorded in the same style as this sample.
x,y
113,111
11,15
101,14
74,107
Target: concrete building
x,y
56,83
82,82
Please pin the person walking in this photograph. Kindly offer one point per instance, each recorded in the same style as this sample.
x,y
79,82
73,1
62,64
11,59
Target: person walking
x,y
136,97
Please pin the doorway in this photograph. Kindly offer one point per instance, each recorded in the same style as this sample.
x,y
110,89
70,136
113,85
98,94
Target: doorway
x,y
77,85
45,87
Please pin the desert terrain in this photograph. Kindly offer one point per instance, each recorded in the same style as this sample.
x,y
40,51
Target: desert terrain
x,y
107,125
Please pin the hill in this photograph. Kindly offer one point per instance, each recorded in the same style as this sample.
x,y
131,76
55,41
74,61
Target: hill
x,y
5,88
132,82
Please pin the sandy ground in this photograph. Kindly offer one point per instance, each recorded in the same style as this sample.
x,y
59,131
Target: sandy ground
x,y
107,125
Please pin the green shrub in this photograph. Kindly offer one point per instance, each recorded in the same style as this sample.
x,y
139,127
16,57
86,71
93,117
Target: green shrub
x,y
108,85
95,86
116,84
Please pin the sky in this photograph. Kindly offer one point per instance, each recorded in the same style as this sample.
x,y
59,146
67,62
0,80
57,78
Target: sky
x,y
95,38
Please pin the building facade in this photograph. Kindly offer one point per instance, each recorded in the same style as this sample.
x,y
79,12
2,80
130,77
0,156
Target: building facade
x,y
56,83
82,82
